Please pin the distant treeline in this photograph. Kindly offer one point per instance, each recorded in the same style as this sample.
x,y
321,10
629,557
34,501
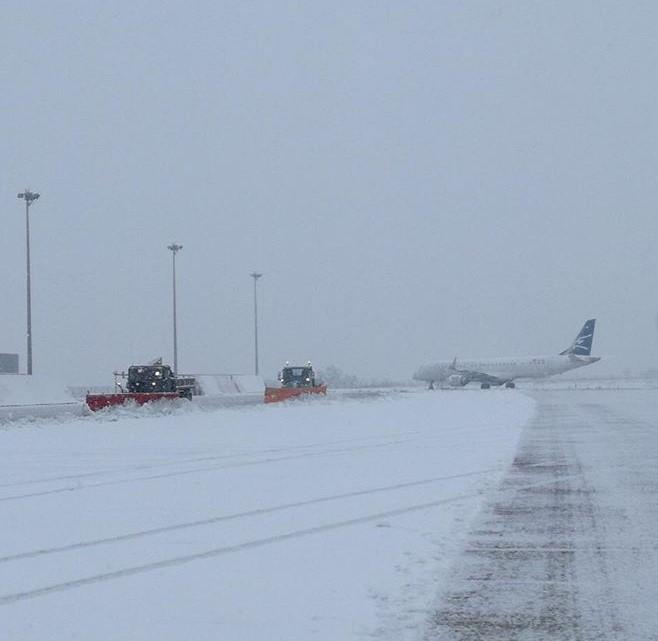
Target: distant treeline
x,y
335,378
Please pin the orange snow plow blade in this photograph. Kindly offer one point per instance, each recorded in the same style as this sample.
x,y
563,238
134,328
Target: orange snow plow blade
x,y
276,394
97,402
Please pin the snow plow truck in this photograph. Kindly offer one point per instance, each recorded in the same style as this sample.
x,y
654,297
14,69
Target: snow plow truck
x,y
145,384
295,381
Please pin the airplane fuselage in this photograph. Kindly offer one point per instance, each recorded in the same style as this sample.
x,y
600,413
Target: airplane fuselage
x,y
504,369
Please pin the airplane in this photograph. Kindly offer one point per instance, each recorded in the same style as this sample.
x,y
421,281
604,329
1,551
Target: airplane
x,y
504,371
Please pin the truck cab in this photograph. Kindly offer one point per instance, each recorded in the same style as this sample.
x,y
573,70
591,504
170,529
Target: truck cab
x,y
151,378
297,376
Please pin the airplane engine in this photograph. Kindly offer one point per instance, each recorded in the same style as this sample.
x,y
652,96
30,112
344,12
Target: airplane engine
x,y
457,380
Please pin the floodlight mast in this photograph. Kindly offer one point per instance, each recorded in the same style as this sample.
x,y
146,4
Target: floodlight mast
x,y
255,276
174,248
29,197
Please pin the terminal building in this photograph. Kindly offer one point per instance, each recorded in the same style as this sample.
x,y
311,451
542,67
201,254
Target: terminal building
x,y
8,363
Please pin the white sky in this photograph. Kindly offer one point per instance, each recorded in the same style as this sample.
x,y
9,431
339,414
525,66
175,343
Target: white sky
x,y
416,180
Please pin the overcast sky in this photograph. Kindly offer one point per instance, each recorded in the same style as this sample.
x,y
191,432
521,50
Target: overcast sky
x,y
416,181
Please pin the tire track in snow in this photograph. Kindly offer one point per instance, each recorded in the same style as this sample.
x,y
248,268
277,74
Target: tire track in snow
x,y
212,468
139,467
199,470
200,459
8,599
230,517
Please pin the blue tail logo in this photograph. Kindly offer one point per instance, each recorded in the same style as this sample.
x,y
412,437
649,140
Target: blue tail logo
x,y
582,345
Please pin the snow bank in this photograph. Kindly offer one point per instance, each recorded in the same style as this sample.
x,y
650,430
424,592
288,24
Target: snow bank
x,y
250,384
217,384
32,390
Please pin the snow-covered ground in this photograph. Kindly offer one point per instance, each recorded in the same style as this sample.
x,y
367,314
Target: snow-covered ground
x,y
561,383
324,519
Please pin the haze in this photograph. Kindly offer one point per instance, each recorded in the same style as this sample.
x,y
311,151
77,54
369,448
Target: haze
x,y
415,180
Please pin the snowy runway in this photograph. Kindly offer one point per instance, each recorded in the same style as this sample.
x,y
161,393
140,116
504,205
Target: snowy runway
x,y
566,548
316,520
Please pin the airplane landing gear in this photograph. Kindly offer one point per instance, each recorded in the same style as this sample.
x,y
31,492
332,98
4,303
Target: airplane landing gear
x,y
485,386
510,385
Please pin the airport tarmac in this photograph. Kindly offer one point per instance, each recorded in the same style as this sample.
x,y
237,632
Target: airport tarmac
x,y
567,549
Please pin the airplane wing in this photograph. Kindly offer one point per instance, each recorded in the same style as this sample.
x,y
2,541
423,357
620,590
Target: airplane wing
x,y
471,376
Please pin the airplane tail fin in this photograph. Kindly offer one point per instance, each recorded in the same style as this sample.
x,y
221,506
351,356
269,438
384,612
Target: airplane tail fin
x,y
582,345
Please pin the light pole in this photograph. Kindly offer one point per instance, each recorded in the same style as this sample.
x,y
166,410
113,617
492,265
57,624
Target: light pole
x,y
29,197
255,276
174,250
